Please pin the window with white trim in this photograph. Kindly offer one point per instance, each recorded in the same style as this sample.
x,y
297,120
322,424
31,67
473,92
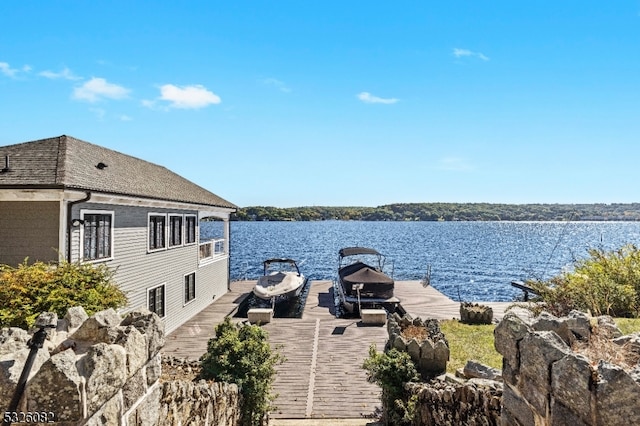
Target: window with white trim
x,y
190,223
155,298
175,230
189,287
97,234
157,231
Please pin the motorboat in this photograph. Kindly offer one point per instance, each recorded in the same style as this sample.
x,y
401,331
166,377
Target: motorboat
x,y
362,282
282,280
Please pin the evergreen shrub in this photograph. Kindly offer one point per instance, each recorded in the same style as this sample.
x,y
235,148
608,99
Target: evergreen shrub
x,y
391,370
241,354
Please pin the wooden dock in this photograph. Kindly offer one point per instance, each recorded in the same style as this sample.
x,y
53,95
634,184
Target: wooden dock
x,y
322,376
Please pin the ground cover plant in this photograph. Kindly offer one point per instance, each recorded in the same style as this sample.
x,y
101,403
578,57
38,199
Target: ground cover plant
x,y
241,354
30,289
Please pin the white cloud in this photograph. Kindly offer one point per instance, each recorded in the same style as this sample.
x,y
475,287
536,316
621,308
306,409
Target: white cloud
x,y
459,53
188,97
98,88
65,74
7,70
277,84
125,118
454,164
368,98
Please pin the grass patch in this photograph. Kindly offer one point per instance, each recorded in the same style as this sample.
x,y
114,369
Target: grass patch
x,y
475,342
628,325
470,342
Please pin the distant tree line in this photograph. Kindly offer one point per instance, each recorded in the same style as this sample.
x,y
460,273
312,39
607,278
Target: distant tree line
x,y
447,212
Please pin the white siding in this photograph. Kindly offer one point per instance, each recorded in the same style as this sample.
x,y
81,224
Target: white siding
x,y
138,270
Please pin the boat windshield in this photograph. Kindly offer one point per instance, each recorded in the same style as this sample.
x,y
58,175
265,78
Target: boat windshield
x,y
351,255
272,266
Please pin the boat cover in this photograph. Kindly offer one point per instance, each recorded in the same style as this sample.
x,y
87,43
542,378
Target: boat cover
x,y
365,274
376,284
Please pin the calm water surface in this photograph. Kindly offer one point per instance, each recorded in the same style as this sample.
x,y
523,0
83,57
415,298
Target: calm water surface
x,y
478,259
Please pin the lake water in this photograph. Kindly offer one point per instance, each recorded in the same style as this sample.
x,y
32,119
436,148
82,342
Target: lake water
x,y
477,259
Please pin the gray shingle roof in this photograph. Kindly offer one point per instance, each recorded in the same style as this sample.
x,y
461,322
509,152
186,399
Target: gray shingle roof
x,y
66,162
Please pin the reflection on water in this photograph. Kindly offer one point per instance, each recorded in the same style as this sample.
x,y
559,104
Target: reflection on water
x,y
478,259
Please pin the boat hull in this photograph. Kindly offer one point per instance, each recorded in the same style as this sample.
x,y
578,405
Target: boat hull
x,y
279,287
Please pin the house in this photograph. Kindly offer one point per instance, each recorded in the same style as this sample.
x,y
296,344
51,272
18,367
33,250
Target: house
x,y
63,198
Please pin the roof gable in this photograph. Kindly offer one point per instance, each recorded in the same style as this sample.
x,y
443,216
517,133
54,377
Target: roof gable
x,y
70,163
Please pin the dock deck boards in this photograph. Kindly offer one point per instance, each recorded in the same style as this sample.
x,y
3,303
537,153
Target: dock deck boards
x,y
322,375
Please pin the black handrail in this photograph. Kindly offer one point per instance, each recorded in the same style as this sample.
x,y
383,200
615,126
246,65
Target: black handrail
x,y
35,343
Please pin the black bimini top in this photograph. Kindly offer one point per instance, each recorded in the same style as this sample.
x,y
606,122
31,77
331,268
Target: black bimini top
x,y
352,251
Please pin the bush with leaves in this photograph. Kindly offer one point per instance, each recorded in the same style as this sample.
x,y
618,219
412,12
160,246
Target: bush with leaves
x,y
605,283
391,370
28,290
241,354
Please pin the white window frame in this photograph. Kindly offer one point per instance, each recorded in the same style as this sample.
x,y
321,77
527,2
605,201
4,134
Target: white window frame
x,y
84,212
195,230
170,230
164,298
166,236
184,290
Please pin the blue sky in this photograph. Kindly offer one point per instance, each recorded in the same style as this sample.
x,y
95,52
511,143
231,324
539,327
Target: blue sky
x,y
340,103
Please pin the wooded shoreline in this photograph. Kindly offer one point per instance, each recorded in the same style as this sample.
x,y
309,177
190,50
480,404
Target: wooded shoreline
x,y
447,212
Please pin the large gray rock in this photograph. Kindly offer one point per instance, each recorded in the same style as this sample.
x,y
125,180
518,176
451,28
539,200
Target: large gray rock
x,y
618,396
13,356
154,369
135,346
105,369
571,386
75,316
150,325
547,322
515,325
608,327
475,369
99,328
538,352
579,324
57,387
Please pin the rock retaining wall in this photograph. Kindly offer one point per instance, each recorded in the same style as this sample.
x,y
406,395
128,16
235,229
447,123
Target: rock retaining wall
x,y
430,354
547,383
106,369
474,402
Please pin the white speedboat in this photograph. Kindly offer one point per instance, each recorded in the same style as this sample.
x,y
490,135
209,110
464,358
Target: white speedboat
x,y
282,280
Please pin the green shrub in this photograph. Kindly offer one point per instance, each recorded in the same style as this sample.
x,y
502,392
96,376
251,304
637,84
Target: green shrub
x,y
28,290
391,370
241,354
605,283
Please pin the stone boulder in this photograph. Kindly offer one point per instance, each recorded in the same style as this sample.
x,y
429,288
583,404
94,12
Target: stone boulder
x,y
105,369
149,324
99,328
57,387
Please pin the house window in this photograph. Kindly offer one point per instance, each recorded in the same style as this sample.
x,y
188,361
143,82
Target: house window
x,y
97,235
189,287
157,226
189,229
175,230
155,296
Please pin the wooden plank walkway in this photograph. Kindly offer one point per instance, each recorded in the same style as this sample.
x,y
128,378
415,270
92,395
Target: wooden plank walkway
x,y
322,376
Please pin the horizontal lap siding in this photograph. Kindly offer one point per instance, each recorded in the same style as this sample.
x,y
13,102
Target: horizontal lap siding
x,y
136,270
29,229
